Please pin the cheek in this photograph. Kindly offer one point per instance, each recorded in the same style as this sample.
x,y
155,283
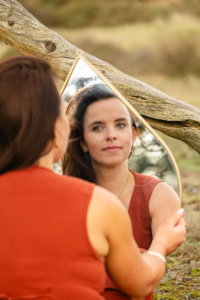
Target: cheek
x,y
126,138
93,142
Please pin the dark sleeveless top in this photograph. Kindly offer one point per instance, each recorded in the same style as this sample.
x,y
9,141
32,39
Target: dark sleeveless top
x,y
45,251
141,224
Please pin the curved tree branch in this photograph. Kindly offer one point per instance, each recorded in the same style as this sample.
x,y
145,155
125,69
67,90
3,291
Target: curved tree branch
x,y
26,34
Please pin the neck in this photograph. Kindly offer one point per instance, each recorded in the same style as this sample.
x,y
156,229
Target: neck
x,y
112,178
46,161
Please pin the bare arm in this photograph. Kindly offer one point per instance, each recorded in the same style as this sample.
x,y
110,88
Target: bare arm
x,y
162,205
110,233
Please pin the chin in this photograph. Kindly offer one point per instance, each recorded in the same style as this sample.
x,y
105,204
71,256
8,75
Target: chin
x,y
110,161
114,161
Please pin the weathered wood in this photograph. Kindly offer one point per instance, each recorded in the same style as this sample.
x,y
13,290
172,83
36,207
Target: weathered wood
x,y
25,33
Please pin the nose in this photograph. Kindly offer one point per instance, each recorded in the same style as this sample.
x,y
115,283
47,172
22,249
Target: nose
x,y
111,134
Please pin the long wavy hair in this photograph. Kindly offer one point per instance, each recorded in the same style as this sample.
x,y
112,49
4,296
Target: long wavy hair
x,y
75,162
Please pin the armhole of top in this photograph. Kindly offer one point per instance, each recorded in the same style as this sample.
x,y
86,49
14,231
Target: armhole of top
x,y
137,187
96,255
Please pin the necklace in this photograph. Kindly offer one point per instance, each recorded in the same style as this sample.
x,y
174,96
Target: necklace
x,y
125,185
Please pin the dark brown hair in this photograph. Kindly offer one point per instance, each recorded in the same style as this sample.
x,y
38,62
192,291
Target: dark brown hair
x,y
75,162
29,107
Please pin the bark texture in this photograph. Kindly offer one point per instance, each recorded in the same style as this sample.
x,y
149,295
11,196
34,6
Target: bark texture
x,y
26,34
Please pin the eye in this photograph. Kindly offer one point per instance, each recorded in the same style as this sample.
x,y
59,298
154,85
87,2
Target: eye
x,y
97,128
121,125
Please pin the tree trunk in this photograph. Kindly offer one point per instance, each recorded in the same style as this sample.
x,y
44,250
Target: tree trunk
x,y
26,34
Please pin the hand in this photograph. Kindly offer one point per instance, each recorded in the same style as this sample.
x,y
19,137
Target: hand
x,y
170,235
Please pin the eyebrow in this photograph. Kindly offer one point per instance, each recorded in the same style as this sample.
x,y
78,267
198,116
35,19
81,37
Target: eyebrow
x,y
95,123
100,122
121,119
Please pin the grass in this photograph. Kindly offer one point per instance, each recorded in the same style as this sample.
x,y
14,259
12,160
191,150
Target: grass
x,y
182,279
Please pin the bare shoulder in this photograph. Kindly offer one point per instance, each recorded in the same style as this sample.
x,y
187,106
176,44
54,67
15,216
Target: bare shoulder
x,y
108,211
104,201
163,196
164,190
162,205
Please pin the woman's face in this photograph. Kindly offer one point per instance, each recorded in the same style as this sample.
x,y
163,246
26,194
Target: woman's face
x,y
108,132
61,133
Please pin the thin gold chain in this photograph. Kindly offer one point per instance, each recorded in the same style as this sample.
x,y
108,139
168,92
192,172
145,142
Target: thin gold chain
x,y
125,185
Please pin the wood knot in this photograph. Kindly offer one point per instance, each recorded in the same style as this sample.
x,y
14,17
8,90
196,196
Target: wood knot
x,y
50,46
11,23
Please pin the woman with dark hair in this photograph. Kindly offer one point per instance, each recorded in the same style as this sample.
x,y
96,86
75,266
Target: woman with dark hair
x,y
102,141
56,230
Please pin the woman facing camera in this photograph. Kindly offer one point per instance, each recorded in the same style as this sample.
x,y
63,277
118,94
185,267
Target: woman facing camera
x,y
58,233
102,142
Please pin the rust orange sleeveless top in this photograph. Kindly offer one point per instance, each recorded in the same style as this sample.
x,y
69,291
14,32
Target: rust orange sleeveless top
x,y
45,252
141,225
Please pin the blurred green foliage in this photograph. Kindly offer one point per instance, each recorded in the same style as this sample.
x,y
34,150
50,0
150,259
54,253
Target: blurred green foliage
x,y
81,13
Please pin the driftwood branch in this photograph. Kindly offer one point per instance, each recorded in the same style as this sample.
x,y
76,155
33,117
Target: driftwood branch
x,y
26,34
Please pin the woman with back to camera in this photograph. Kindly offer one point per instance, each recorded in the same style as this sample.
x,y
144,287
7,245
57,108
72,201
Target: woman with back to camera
x,y
55,230
102,143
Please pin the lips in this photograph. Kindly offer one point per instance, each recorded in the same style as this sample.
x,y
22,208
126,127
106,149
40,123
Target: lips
x,y
112,149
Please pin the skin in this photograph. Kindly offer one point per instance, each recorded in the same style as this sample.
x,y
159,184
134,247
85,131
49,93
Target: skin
x,y
108,123
135,274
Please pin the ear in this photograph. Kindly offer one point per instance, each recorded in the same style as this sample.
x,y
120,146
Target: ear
x,y
83,146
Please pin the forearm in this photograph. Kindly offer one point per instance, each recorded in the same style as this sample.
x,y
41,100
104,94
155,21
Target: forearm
x,y
141,276
155,267
155,270
151,270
